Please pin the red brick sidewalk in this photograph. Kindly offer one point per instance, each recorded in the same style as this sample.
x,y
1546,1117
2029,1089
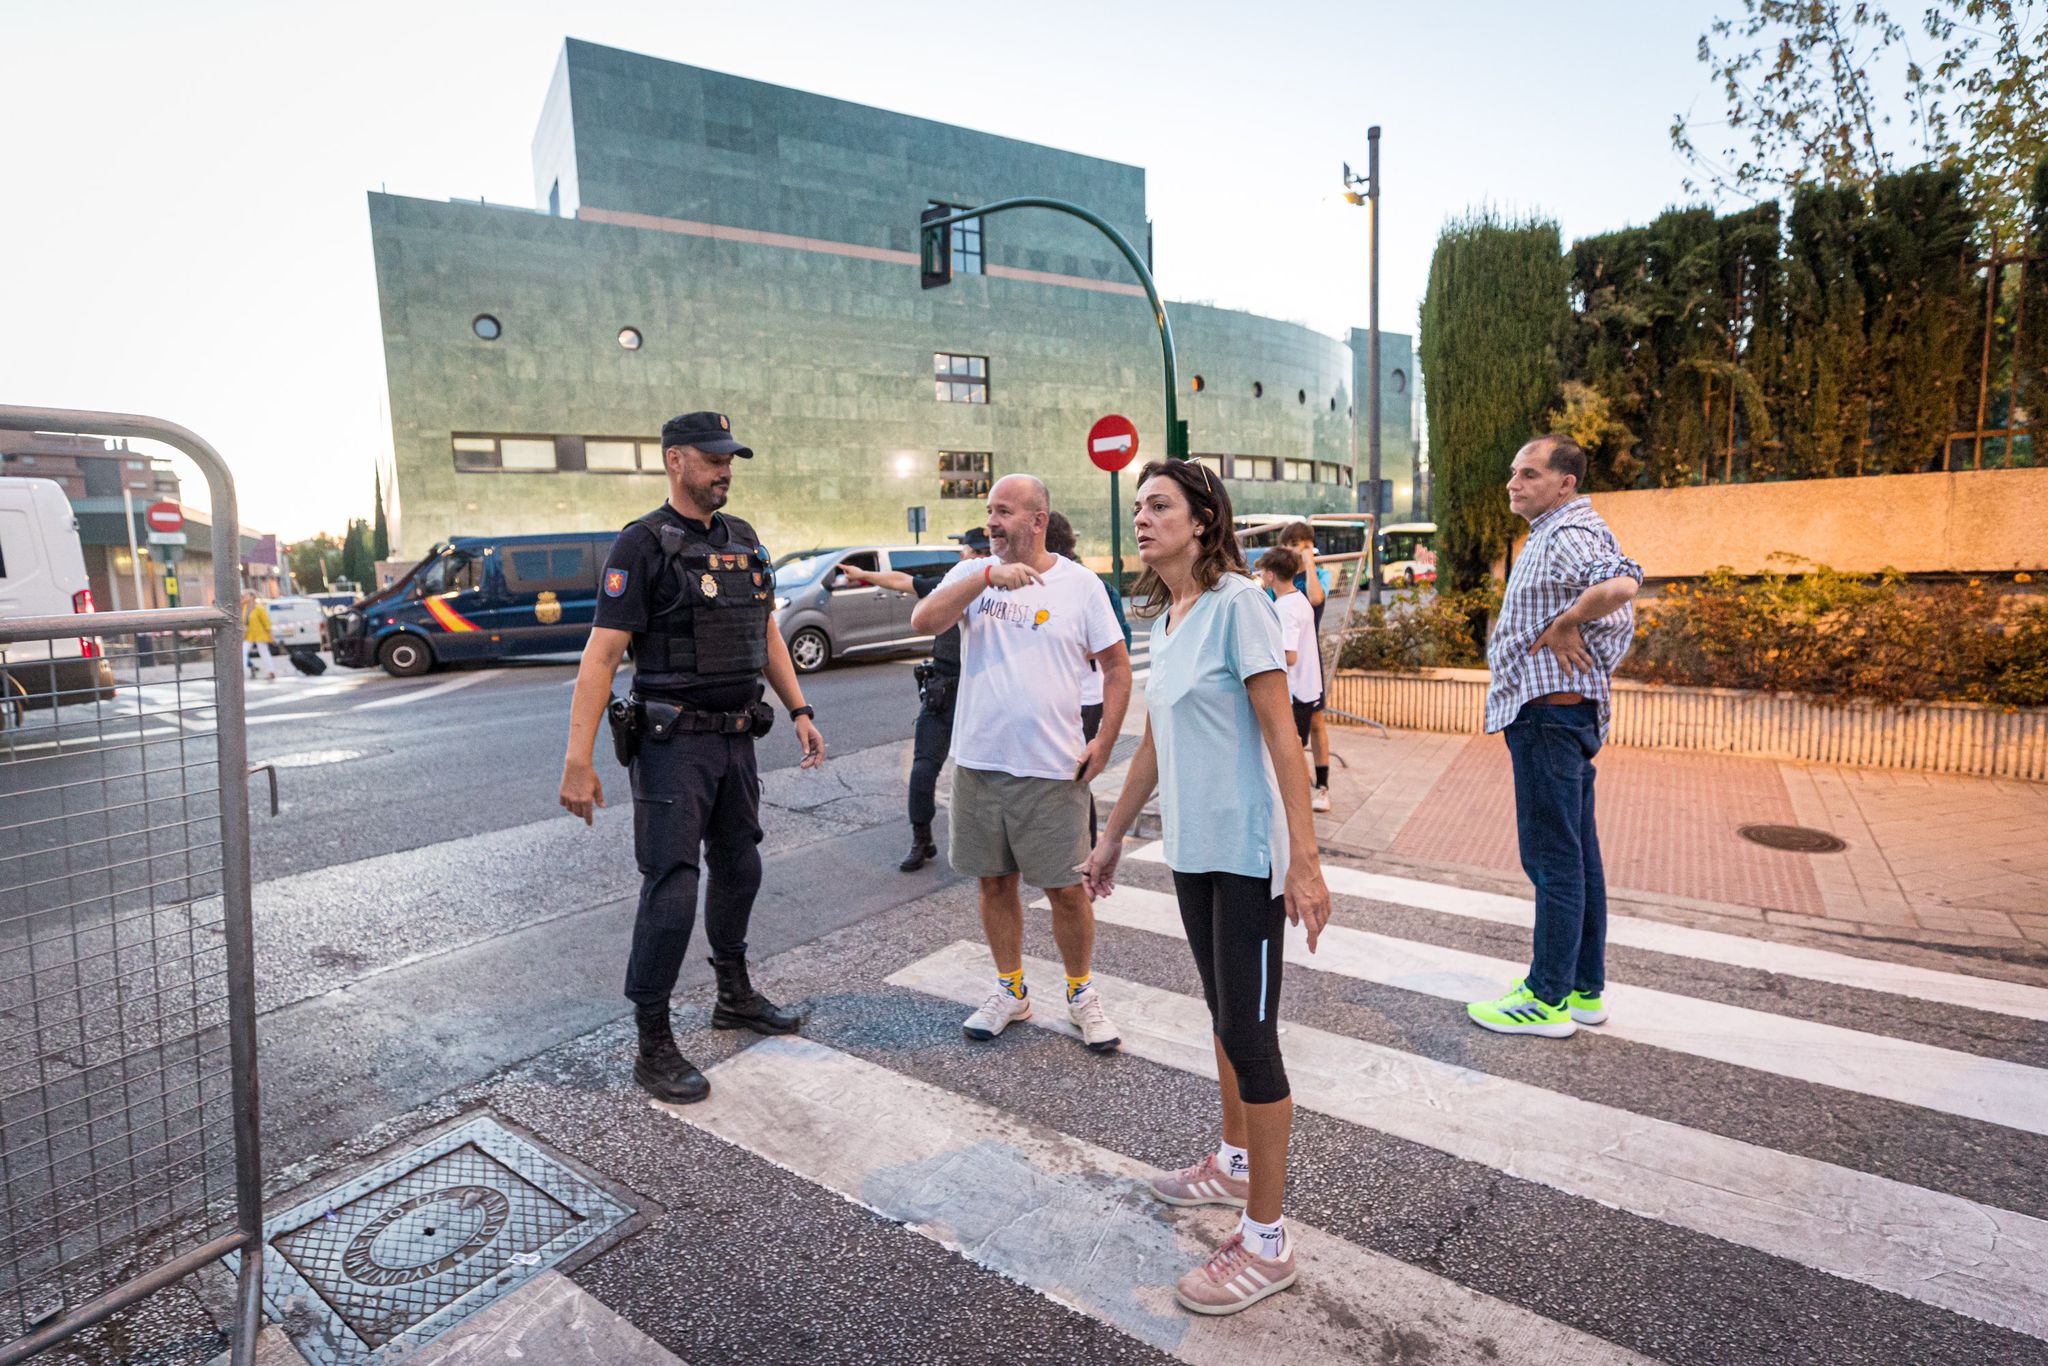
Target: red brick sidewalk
x,y
1931,858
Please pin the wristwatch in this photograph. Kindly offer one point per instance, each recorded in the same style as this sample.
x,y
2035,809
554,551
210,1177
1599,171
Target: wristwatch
x,y
795,712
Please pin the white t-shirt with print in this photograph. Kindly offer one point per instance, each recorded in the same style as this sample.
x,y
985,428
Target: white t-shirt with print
x,y
1298,633
1023,655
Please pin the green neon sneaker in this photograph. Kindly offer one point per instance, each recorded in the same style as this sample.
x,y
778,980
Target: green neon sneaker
x,y
1519,1012
1586,1009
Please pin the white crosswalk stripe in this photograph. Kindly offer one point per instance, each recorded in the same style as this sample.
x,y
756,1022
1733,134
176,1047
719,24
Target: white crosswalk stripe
x,y
1940,1079
1790,960
1939,1249
881,1125
1074,1221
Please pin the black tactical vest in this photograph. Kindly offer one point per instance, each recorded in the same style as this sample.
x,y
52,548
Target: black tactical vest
x,y
712,601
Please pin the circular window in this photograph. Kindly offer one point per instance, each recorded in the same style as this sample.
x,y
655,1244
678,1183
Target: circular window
x,y
1333,403
1301,395
1399,380
1258,389
1200,384
486,327
629,337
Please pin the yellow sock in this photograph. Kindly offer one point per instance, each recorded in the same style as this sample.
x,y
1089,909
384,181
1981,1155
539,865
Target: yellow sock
x,y
1013,982
1077,985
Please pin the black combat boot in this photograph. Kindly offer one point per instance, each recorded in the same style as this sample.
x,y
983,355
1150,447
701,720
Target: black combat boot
x,y
661,1067
741,1007
922,850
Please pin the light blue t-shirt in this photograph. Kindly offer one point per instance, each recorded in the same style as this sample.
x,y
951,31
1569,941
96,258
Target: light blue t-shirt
x,y
1218,802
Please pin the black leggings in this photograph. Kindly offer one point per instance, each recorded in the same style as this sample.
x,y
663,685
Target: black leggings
x,y
1234,925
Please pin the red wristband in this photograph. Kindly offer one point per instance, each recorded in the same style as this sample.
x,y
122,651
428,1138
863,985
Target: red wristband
x,y
987,570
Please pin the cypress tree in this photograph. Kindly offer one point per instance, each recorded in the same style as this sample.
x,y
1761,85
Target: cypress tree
x,y
2031,358
1493,317
380,538
1923,315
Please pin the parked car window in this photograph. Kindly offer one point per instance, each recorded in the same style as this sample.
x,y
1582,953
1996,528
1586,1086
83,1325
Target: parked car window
x,y
862,559
562,568
910,561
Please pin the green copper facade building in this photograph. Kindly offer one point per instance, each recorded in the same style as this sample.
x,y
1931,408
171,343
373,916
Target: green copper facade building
x,y
702,241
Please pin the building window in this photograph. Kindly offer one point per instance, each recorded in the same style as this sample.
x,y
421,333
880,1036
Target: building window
x,y
1254,467
1333,403
1398,381
555,199
1301,396
1301,471
629,337
1258,389
960,379
1200,384
965,474
486,327
528,454
966,240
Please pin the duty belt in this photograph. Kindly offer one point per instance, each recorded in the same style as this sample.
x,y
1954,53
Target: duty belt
x,y
659,720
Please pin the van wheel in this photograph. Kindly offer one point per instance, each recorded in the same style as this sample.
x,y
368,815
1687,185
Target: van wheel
x,y
405,656
809,650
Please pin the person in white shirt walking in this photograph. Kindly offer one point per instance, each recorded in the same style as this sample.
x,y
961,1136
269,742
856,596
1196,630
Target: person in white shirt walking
x,y
1030,622
1222,751
1280,567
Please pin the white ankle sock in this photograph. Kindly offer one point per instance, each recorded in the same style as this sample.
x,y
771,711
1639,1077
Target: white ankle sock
x,y
1268,1240
1234,1161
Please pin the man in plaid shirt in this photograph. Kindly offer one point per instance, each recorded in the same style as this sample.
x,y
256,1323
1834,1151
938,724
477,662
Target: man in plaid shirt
x,y
1565,622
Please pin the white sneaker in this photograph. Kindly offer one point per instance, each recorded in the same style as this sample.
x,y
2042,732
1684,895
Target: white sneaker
x,y
1088,1016
1319,800
997,1013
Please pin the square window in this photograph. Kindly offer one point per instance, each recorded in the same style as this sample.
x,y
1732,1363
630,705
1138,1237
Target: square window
x,y
967,258
965,474
476,452
960,379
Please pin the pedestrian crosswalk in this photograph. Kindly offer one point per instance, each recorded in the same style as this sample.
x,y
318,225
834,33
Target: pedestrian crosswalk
x,y
1851,1175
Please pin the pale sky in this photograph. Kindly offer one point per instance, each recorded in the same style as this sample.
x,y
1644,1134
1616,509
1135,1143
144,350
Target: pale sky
x,y
184,231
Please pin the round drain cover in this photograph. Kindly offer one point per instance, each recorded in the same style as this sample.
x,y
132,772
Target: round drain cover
x,y
1795,839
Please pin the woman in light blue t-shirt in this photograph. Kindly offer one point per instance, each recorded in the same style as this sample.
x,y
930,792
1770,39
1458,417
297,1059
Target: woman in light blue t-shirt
x,y
1220,748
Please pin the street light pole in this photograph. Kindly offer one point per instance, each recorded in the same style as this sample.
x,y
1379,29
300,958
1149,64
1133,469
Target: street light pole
x,y
1371,200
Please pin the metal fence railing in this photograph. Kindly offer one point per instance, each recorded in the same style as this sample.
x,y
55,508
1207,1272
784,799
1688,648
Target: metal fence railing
x,y
128,1120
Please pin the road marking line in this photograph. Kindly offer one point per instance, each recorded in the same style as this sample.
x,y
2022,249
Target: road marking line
x,y
1713,946
420,694
285,716
1076,1223
1938,1249
1990,1089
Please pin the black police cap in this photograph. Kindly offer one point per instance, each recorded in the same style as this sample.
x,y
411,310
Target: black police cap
x,y
974,538
708,432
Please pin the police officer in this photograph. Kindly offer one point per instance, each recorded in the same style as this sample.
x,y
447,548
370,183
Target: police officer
x,y
691,590
938,681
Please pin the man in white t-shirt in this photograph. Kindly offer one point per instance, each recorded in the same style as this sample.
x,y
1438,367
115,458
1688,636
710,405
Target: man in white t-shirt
x,y
1030,622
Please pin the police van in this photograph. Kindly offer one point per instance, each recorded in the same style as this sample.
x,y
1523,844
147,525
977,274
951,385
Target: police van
x,y
477,597
42,574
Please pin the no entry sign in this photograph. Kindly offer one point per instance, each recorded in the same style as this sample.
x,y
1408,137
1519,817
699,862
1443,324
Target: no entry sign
x,y
1113,443
164,517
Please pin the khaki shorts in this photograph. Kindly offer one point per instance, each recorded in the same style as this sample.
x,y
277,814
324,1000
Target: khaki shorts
x,y
1002,824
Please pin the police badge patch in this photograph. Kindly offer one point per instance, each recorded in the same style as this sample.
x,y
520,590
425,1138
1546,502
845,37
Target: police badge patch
x,y
614,583
709,583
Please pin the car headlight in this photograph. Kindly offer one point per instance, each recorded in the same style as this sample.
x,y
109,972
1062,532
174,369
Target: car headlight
x,y
781,603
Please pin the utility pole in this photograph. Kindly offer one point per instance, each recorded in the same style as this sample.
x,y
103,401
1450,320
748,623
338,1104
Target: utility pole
x,y
1371,200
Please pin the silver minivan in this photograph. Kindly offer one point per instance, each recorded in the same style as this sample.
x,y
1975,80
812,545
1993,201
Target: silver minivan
x,y
824,615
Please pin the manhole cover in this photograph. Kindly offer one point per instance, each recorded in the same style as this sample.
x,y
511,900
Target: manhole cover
x,y
1796,839
407,1251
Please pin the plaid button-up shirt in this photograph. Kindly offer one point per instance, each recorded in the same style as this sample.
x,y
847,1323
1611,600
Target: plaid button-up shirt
x,y
1569,550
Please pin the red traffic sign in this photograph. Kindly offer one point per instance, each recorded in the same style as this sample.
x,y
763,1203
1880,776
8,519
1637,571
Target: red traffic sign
x,y
165,516
1113,443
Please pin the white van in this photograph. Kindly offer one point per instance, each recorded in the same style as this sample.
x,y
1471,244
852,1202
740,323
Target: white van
x,y
297,623
42,574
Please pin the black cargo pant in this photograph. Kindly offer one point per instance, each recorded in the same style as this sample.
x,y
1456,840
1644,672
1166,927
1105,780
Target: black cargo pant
x,y
932,740
696,805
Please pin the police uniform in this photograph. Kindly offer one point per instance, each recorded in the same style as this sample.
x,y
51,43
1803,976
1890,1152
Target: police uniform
x,y
938,686
697,598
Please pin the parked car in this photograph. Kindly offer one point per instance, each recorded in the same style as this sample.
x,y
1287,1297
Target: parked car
x,y
823,615
478,597
42,574
298,623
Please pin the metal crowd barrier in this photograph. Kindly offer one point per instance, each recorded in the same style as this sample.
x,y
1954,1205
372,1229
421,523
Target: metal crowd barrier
x,y
128,1104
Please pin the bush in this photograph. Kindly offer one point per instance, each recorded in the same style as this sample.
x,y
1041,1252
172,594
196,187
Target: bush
x,y
1442,631
1837,637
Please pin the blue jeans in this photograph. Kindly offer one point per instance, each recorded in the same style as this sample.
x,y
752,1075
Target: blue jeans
x,y
1552,748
